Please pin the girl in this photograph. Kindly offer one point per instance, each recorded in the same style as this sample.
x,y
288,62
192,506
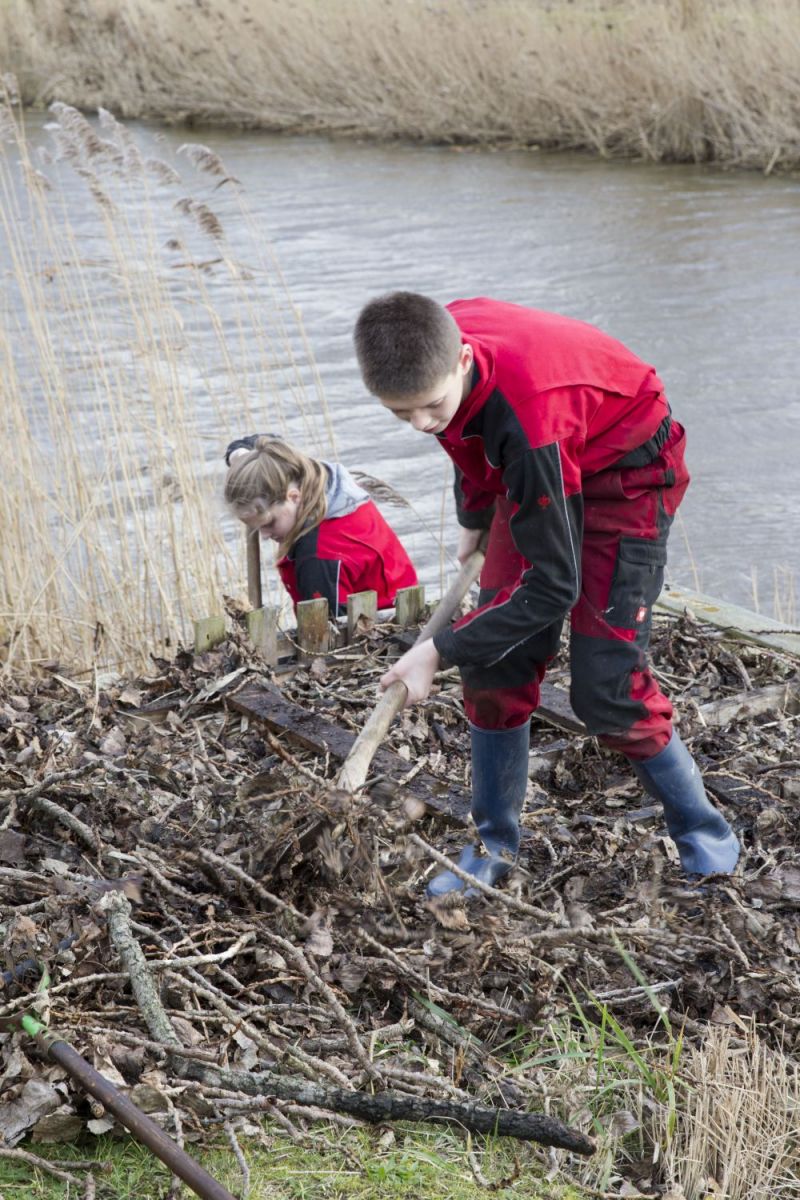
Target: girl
x,y
332,540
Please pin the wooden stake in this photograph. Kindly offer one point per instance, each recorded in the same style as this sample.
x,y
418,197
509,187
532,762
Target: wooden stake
x,y
356,765
262,629
360,604
312,628
208,632
254,591
408,605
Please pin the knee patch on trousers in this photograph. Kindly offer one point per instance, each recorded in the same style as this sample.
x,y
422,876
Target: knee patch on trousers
x,y
601,681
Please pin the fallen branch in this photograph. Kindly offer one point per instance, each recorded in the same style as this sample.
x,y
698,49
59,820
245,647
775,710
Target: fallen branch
x,y
41,1164
386,1107
505,898
34,797
158,1023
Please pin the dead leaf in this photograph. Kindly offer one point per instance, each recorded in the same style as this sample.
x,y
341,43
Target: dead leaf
x,y
63,1125
114,744
12,848
36,1099
320,943
100,1125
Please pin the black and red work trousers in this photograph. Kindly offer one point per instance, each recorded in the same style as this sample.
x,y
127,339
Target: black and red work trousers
x,y
628,510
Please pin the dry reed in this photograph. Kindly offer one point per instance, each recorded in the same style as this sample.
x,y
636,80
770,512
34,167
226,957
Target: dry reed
x,y
680,80
133,345
737,1132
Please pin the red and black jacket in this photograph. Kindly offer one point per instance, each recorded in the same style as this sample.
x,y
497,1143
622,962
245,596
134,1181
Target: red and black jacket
x,y
553,401
356,552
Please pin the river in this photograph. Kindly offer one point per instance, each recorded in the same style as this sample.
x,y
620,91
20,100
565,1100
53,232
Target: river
x,y
696,270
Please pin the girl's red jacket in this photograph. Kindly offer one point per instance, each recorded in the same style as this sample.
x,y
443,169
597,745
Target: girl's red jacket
x,y
357,552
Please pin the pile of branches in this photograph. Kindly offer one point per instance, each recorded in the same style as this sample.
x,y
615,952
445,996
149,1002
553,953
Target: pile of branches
x,y
222,931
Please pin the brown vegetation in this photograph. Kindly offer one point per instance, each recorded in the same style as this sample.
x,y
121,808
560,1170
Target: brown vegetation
x,y
113,325
286,926
680,80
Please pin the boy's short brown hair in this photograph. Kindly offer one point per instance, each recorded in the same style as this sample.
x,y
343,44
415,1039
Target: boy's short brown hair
x,y
406,343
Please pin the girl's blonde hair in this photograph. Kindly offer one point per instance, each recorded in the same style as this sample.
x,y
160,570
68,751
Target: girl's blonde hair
x,y
263,478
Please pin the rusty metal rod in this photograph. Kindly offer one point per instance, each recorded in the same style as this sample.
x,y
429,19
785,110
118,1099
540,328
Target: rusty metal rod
x,y
134,1120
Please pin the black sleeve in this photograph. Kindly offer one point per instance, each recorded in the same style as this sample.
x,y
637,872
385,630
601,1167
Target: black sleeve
x,y
244,443
316,577
476,519
547,530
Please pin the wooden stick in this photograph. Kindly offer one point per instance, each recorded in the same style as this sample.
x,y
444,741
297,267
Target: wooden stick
x,y
356,765
385,1107
254,592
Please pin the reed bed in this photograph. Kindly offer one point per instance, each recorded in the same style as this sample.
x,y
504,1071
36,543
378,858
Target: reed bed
x,y
666,80
113,327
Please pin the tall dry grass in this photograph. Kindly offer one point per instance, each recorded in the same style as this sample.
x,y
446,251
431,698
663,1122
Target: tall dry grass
x,y
685,80
736,1136
135,339
711,1119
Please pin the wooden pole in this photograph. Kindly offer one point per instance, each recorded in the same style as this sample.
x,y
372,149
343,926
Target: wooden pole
x,y
356,765
254,591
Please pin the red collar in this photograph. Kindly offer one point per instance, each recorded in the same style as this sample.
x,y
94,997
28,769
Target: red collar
x,y
473,402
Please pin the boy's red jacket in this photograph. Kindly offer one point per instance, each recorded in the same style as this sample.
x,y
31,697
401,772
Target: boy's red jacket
x,y
553,401
356,552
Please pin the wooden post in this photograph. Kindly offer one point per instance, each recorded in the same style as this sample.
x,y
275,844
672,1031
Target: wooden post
x,y
408,605
254,592
208,632
262,629
360,604
312,628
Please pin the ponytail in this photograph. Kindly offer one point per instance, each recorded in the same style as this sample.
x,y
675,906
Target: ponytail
x,y
262,478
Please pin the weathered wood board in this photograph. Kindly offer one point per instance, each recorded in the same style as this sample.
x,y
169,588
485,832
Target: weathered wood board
x,y
266,703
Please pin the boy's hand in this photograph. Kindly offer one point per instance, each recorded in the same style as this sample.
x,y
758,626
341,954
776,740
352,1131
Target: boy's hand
x,y
468,542
416,670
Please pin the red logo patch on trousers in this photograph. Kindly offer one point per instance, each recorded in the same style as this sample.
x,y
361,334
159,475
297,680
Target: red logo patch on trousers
x,y
641,614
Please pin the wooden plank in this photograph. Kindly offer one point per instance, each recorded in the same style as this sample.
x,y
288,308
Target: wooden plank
x,y
735,790
776,698
312,628
738,623
360,604
208,632
408,605
264,702
262,630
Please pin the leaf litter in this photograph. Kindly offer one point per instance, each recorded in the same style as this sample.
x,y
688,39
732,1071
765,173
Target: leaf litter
x,y
285,922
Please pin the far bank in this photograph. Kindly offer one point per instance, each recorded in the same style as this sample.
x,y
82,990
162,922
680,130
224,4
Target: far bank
x,y
661,80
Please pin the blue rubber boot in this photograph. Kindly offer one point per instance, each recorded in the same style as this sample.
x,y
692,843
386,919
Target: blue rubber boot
x,y
499,780
706,843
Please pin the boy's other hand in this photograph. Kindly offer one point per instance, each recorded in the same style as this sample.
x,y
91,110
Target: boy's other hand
x,y
416,670
468,542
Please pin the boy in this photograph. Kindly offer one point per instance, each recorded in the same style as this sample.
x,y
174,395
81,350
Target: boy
x,y
566,451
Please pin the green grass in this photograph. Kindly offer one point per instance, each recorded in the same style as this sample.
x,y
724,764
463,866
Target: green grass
x,y
343,1165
